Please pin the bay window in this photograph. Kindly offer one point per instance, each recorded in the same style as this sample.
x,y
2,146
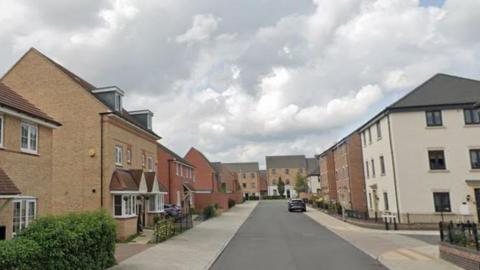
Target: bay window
x,y
124,205
24,212
156,203
29,138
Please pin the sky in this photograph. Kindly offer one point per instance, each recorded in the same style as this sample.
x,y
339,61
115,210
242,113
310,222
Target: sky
x,y
242,79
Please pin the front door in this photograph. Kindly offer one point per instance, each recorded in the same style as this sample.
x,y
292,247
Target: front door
x,y
288,193
141,217
477,201
3,232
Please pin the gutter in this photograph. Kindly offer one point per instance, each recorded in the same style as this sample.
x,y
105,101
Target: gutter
x,y
101,159
393,167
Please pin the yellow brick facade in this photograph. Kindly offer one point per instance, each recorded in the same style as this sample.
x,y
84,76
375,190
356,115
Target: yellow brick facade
x,y
249,182
77,145
31,173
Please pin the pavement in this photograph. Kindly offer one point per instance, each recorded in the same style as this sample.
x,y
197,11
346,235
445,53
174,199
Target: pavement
x,y
273,238
196,248
397,250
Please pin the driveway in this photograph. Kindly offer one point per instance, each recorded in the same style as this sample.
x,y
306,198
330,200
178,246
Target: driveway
x,y
273,238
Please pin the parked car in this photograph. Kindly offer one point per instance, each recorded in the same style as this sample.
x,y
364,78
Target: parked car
x,y
172,210
296,205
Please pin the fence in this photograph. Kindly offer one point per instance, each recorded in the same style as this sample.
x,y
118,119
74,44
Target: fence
x,y
460,234
168,227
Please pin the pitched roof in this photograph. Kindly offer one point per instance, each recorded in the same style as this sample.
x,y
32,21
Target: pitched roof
x,y
122,180
292,161
150,179
7,187
175,155
313,166
441,89
240,167
202,155
13,101
89,87
217,166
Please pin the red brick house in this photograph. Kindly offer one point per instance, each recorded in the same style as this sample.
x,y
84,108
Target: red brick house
x,y
177,175
205,180
227,179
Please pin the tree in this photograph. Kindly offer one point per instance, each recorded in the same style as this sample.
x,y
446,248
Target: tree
x,y
281,187
300,184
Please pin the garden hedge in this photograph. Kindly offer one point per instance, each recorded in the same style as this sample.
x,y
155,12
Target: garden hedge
x,y
74,241
21,254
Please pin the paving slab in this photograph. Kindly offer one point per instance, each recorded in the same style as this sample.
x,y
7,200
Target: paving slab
x,y
196,248
391,248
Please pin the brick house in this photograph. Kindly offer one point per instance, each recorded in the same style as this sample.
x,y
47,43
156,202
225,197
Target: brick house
x,y
350,181
313,176
286,168
228,179
263,183
99,141
177,175
25,162
248,177
328,183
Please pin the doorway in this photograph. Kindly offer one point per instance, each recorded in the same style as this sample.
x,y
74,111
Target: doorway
x,y
288,193
141,217
477,201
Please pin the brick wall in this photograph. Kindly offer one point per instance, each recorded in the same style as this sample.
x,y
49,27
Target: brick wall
x,y
356,176
463,257
327,176
204,175
204,200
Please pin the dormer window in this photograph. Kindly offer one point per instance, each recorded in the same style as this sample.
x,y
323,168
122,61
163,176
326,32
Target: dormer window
x,y
110,96
118,102
143,117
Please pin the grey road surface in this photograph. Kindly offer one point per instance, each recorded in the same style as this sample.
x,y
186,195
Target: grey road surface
x,y
273,238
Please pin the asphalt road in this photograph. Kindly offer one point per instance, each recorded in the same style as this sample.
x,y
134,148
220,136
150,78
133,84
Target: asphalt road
x,y
273,238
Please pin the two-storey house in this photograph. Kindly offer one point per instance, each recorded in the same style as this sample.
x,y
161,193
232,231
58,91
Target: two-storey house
x,y
422,153
103,155
227,179
25,162
178,176
285,168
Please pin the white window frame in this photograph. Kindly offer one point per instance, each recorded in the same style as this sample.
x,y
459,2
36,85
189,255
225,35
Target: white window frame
x,y
26,220
156,203
2,128
29,128
129,155
118,155
150,164
129,206
143,161
177,170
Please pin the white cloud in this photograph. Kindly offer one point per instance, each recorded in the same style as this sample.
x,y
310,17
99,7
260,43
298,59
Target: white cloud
x,y
203,26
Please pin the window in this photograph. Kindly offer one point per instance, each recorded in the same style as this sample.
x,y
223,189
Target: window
x,y
124,205
382,165
364,139
287,171
437,160
244,175
252,175
373,168
367,170
274,171
475,158
150,164
177,167
244,185
385,200
434,118
24,212
252,185
118,155
29,138
156,203
118,102
369,136
129,156
472,117
370,199
379,130
1,130
441,201
143,160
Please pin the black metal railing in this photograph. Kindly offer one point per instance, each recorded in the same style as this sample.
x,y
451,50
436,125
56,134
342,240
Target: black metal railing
x,y
168,227
356,214
460,234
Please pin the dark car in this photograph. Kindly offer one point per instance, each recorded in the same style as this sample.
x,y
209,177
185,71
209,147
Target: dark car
x,y
172,210
297,205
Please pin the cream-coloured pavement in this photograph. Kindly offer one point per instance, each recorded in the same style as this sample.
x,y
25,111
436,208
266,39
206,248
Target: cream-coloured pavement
x,y
395,251
196,248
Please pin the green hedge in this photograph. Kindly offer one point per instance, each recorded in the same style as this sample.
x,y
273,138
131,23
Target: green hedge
x,y
274,197
74,241
231,203
209,212
21,254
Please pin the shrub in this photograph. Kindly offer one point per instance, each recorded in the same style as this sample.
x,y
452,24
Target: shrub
x,y
208,212
216,205
231,203
74,241
19,254
274,197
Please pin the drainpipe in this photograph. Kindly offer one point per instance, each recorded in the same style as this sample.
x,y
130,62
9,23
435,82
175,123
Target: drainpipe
x,y
101,160
393,167
170,181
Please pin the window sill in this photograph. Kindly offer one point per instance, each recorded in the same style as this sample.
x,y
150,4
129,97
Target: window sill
x,y
118,165
435,127
474,170
471,125
439,171
29,152
125,217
